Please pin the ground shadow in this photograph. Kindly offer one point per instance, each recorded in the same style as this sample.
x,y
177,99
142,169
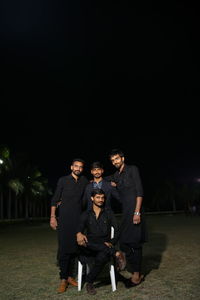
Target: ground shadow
x,y
153,251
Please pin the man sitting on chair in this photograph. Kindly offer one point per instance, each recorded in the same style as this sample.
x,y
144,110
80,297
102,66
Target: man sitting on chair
x,y
97,242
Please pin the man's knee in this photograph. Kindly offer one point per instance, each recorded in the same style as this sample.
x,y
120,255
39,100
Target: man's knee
x,y
103,257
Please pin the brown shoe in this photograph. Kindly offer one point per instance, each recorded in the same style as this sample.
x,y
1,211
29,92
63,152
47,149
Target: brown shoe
x,y
72,281
90,289
63,286
120,261
129,283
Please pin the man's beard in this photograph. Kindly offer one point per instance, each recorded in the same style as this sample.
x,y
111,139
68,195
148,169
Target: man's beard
x,y
118,166
77,173
99,205
97,175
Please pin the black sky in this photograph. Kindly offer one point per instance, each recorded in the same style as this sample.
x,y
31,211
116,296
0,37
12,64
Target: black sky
x,y
81,77
69,48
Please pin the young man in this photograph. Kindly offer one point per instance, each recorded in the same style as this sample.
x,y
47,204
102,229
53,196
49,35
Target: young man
x,y
133,231
68,193
97,242
111,192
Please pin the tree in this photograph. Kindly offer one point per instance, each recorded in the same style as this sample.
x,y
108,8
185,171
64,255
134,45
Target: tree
x,y
5,169
16,186
22,182
35,190
164,197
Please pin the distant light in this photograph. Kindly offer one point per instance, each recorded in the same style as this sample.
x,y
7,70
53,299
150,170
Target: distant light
x,y
1,161
198,179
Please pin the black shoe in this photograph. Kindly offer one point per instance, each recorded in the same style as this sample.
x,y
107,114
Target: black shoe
x,y
90,289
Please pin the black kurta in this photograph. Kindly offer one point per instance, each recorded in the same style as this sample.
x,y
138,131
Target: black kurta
x,y
69,192
99,230
129,186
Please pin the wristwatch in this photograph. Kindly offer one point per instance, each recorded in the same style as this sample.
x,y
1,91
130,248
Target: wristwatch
x,y
137,213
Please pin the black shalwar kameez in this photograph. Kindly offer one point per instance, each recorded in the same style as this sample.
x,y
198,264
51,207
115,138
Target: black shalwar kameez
x,y
69,192
132,236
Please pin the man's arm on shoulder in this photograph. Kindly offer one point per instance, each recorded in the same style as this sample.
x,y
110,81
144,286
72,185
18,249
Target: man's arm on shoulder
x,y
108,178
111,180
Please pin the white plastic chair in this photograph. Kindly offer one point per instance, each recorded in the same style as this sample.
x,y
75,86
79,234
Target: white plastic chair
x,y
111,270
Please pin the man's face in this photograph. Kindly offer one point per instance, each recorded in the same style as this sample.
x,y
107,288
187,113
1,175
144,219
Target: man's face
x,y
117,161
98,200
97,172
77,168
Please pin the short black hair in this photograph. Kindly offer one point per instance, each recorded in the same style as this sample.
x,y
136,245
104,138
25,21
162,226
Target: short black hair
x,y
97,192
78,159
96,164
115,152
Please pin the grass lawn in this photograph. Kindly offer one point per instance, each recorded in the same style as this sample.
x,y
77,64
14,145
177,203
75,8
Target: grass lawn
x,y
171,263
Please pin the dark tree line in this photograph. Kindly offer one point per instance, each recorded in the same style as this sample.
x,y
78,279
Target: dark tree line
x,y
172,196
24,192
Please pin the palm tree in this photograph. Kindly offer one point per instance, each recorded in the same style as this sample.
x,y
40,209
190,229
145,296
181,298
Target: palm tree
x,y
35,190
4,159
19,179
16,186
5,169
41,193
1,202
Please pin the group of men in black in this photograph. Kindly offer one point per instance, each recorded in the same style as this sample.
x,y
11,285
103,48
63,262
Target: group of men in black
x,y
85,220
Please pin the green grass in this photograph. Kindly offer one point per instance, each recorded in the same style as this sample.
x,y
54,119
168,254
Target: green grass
x,y
171,262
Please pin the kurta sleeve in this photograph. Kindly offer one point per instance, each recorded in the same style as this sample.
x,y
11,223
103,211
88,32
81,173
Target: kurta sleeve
x,y
82,224
58,193
138,182
85,200
109,178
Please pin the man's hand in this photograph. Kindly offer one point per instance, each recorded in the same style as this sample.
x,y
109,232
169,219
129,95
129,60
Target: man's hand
x,y
136,219
81,239
53,223
113,183
108,244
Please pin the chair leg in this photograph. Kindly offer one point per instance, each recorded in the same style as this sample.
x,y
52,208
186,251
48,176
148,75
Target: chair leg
x,y
80,272
112,278
87,269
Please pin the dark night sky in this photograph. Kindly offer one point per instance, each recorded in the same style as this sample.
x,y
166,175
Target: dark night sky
x,y
109,63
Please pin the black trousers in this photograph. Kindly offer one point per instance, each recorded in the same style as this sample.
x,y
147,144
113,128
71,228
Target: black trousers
x,y
101,255
66,264
133,257
65,255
